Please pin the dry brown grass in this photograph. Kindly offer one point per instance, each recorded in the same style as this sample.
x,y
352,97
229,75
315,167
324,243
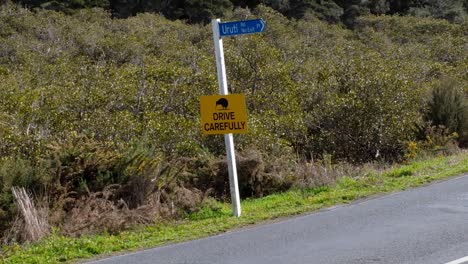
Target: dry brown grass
x,y
319,173
31,223
95,214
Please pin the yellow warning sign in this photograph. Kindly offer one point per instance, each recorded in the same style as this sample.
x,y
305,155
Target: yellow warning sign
x,y
223,114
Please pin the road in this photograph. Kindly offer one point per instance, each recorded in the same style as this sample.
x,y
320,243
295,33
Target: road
x,y
428,225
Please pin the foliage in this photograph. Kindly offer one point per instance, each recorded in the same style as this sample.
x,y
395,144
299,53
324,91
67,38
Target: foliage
x,y
439,140
448,107
93,107
196,11
217,218
453,11
367,112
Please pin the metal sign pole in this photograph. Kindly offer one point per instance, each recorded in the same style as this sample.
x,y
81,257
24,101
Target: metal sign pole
x,y
228,138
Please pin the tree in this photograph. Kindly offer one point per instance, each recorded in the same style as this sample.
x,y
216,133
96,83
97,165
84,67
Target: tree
x,y
324,9
451,10
197,11
67,6
379,7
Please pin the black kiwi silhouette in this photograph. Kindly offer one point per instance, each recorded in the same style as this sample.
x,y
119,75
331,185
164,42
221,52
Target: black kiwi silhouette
x,y
222,102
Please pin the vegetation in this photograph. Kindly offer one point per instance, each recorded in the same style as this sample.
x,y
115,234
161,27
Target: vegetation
x,y
99,117
333,11
217,218
447,109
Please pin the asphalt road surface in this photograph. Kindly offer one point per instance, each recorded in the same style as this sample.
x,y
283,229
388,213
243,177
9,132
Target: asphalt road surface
x,y
420,226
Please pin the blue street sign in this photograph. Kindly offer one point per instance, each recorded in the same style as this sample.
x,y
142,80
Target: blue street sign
x,y
241,27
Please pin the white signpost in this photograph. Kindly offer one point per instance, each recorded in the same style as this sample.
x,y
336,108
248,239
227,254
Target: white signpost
x,y
225,30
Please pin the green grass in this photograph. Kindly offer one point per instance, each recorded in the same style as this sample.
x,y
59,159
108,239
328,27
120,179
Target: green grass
x,y
218,219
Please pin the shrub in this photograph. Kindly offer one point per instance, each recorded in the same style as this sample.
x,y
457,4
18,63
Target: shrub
x,y
448,107
365,110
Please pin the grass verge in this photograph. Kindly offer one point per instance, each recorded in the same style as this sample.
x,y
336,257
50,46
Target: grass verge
x,y
218,219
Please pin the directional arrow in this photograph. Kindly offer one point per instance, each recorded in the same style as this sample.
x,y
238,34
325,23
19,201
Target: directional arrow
x,y
241,27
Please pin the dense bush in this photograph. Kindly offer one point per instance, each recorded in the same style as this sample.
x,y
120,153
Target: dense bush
x,y
367,111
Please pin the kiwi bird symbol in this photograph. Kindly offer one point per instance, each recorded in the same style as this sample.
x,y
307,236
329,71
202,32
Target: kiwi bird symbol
x,y
222,102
